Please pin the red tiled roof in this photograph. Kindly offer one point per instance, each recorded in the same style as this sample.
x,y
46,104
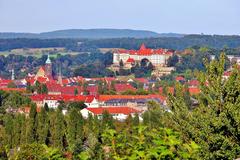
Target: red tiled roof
x,y
65,98
77,79
113,110
5,81
92,89
103,98
146,51
180,78
130,60
42,79
124,87
193,82
194,91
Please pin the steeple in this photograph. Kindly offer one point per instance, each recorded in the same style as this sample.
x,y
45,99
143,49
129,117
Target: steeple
x,y
48,68
48,61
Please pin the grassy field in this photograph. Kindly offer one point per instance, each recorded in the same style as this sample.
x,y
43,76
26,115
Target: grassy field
x,y
38,52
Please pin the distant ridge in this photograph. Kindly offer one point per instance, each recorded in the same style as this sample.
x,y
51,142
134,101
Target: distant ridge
x,y
89,34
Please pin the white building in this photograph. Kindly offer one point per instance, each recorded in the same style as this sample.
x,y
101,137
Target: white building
x,y
158,57
119,113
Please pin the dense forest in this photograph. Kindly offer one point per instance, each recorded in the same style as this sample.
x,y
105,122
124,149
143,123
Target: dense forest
x,y
208,130
177,43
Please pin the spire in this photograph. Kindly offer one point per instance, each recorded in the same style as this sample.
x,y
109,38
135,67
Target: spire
x,y
143,47
48,61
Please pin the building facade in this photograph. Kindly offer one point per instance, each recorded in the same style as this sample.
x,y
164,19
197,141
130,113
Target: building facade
x,y
158,57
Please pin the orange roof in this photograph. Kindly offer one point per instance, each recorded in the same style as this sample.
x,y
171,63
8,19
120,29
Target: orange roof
x,y
113,110
194,91
66,98
180,78
130,60
146,51
124,87
104,98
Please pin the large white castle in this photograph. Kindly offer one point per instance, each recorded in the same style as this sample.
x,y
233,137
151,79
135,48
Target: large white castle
x,y
158,57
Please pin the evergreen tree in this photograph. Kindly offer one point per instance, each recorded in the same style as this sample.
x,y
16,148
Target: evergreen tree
x,y
107,120
31,125
29,88
75,91
57,129
213,124
74,130
44,89
42,126
136,120
9,127
19,121
46,108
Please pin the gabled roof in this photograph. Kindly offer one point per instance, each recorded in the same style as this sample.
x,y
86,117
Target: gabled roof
x,y
92,89
143,47
130,60
146,51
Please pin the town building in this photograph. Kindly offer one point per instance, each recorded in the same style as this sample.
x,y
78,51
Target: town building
x,y
119,113
45,71
158,57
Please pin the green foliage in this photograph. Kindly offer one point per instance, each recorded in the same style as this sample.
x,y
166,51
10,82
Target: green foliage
x,y
42,126
74,130
41,88
145,143
213,124
57,129
13,100
31,152
36,151
77,105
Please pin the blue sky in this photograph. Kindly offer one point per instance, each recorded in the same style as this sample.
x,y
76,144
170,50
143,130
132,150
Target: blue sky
x,y
163,16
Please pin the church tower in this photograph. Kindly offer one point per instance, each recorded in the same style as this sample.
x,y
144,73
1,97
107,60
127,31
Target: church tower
x,y
48,67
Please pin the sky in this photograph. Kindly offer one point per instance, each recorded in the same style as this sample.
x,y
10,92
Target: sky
x,y
162,16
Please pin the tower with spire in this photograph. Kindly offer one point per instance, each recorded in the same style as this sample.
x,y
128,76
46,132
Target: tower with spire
x,y
48,67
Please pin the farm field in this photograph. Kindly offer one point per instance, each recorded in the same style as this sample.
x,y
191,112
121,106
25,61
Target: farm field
x,y
38,52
